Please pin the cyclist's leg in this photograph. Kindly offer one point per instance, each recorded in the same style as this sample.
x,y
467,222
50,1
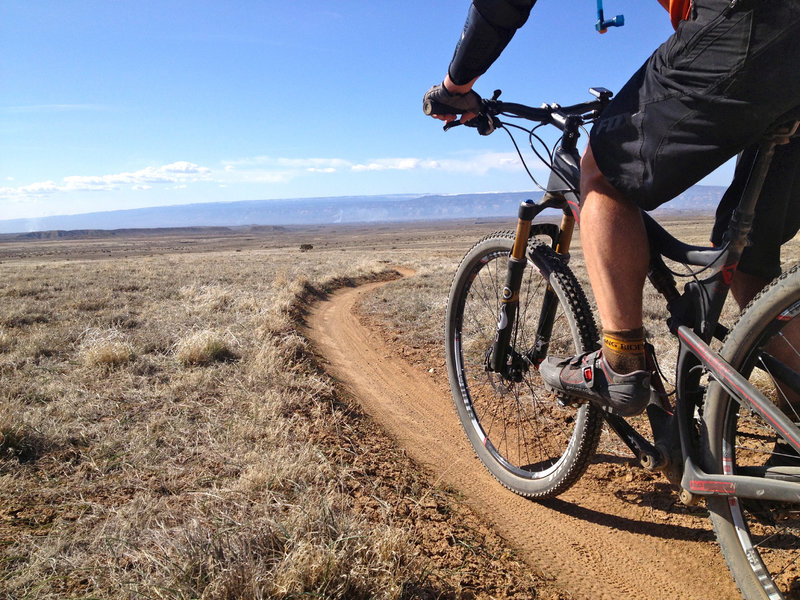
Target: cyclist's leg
x,y
615,248
776,222
711,89
777,219
706,93
616,255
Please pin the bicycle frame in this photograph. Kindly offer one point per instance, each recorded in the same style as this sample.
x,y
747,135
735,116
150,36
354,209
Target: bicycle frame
x,y
693,319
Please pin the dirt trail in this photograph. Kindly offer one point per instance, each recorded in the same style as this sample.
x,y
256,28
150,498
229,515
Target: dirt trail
x,y
599,540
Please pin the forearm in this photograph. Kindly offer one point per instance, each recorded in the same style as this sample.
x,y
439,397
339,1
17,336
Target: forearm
x,y
489,27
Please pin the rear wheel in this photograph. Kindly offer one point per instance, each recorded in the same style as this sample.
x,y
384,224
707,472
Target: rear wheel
x,y
532,444
760,539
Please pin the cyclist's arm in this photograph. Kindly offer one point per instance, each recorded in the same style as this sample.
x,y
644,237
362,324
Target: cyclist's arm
x,y
489,27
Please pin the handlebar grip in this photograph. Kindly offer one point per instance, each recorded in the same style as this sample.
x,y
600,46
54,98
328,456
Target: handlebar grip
x,y
432,107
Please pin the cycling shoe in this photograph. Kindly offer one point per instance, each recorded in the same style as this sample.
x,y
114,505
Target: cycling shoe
x,y
589,377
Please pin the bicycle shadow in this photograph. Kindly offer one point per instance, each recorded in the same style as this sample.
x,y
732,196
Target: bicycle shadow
x,y
656,494
666,531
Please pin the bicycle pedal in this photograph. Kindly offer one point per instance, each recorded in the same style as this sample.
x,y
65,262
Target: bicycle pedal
x,y
565,401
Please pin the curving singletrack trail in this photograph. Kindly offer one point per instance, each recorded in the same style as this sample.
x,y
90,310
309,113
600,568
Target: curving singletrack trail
x,y
594,540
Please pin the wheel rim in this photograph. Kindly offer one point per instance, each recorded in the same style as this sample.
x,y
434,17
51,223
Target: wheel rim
x,y
519,423
768,533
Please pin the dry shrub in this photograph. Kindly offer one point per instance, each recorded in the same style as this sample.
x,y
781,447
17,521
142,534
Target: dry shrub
x,y
107,349
18,440
285,468
333,554
6,340
209,297
279,352
320,551
204,348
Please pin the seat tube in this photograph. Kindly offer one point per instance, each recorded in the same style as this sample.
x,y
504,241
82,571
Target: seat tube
x,y
509,299
741,223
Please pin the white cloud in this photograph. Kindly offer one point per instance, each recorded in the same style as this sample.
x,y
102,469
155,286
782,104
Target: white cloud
x,y
172,173
259,170
38,189
287,163
479,164
268,169
394,164
272,170
181,173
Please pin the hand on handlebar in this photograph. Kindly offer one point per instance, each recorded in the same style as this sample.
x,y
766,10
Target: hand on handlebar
x,y
444,105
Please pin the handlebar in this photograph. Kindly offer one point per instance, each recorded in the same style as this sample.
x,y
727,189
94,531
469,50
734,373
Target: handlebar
x,y
569,119
563,117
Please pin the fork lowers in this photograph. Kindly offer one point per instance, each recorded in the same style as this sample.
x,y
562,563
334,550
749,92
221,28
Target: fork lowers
x,y
509,300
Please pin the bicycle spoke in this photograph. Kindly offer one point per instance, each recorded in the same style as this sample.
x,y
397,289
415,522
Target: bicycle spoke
x,y
760,537
517,422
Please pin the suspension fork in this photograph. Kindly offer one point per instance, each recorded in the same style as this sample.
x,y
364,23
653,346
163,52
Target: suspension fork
x,y
509,300
509,295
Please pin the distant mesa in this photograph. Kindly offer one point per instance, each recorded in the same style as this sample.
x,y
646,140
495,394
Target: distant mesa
x,y
256,215
83,234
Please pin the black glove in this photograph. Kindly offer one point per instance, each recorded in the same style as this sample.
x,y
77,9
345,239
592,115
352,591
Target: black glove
x,y
438,101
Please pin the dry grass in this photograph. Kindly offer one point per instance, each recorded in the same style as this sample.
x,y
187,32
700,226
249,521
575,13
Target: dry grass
x,y
106,348
204,348
158,419
164,433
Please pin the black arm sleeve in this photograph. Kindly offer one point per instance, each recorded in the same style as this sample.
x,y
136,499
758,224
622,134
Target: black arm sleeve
x,y
489,27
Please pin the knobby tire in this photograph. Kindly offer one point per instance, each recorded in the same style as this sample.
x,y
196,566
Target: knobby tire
x,y
760,540
529,442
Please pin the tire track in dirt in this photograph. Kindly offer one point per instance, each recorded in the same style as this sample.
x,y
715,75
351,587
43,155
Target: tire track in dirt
x,y
591,541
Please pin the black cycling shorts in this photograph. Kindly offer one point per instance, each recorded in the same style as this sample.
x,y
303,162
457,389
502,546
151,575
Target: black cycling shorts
x,y
708,92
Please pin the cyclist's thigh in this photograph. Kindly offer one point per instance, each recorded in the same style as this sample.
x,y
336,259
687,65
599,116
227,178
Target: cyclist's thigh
x,y
777,218
711,89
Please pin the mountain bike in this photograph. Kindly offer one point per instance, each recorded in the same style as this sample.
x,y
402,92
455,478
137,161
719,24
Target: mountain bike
x,y
728,433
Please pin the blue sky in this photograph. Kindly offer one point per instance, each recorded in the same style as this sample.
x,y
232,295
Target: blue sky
x,y
108,105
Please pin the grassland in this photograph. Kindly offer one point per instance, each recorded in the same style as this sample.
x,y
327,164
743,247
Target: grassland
x,y
166,433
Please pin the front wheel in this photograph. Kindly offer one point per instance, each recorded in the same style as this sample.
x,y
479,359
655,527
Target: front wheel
x,y
760,539
527,440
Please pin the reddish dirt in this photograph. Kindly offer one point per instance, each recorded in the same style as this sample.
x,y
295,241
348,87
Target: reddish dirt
x,y
620,532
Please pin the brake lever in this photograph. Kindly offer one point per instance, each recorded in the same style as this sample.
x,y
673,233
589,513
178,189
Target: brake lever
x,y
485,124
